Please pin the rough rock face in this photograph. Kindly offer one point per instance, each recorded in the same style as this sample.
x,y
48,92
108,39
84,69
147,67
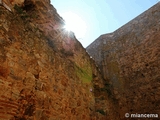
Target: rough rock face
x,y
45,73
129,59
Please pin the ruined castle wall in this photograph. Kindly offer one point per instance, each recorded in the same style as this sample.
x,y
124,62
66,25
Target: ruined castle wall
x,y
130,60
45,73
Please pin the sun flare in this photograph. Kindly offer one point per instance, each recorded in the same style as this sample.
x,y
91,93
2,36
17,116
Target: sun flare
x,y
75,24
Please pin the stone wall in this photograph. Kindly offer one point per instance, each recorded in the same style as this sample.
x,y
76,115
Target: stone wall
x,y
129,59
45,73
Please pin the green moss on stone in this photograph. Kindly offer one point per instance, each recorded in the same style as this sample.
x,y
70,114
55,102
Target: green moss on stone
x,y
85,73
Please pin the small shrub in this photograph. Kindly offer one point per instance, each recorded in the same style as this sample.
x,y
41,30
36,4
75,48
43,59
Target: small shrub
x,y
18,9
101,111
107,88
21,12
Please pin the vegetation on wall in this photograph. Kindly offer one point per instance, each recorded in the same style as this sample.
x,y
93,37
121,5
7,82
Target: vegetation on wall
x,y
21,12
85,74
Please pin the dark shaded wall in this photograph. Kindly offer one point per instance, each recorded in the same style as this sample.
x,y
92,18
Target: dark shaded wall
x,y
129,58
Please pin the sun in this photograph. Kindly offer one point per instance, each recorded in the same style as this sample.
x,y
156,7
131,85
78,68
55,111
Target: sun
x,y
74,23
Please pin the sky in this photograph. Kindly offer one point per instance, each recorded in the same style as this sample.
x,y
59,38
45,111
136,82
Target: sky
x,y
97,17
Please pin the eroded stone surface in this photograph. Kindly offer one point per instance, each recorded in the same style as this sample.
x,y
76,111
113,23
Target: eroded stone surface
x,y
130,59
45,73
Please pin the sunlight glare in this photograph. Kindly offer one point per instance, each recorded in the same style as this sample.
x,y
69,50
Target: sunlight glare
x,y
75,24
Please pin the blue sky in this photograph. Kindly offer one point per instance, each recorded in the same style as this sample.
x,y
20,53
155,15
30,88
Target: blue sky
x,y
102,16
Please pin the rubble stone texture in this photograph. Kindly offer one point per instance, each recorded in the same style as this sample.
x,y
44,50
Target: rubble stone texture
x,y
129,59
45,73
